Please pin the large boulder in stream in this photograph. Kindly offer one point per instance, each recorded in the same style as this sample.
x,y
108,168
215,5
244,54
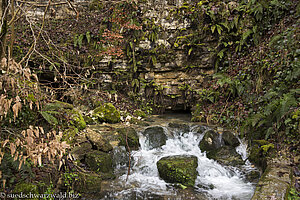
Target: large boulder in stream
x,y
211,141
155,137
178,169
230,139
220,146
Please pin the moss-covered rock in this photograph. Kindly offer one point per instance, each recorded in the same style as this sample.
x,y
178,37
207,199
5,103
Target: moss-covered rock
x,y
69,135
107,113
178,169
99,161
226,155
211,141
135,120
155,137
230,139
98,140
76,119
258,154
275,182
132,137
78,152
25,188
88,120
88,183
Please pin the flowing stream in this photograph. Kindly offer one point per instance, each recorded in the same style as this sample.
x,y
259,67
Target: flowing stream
x,y
214,181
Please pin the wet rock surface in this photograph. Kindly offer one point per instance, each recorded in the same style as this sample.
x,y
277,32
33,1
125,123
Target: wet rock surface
x,y
156,136
226,155
178,169
98,141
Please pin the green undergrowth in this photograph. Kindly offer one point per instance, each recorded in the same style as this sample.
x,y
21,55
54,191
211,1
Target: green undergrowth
x,y
258,91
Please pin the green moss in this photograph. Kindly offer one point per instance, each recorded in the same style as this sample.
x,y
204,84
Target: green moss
x,y
139,113
99,161
88,120
178,169
107,113
26,188
88,183
257,157
76,119
69,134
138,122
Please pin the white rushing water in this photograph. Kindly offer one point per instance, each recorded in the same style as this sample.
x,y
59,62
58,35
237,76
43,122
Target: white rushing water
x,y
213,180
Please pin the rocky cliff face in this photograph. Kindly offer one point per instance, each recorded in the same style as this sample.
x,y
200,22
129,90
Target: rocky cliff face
x,y
169,73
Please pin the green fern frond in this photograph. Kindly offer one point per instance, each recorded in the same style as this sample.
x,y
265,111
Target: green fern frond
x,y
49,118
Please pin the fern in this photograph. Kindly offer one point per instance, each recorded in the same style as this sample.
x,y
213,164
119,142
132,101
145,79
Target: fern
x,y
49,117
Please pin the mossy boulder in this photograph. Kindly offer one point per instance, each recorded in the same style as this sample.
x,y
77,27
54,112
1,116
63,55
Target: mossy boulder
x,y
211,141
155,137
88,183
107,113
178,169
230,139
99,161
98,141
79,152
76,119
88,120
26,188
258,153
132,137
226,155
69,135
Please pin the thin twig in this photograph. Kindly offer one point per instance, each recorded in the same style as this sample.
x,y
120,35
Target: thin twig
x,y
129,159
77,13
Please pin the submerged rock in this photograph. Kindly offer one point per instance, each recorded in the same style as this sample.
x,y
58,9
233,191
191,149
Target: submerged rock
x,y
178,169
107,113
155,137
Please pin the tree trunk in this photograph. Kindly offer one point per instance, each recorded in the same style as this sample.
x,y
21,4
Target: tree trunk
x,y
3,27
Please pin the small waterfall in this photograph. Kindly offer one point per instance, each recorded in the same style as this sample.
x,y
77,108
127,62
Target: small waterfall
x,y
214,181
